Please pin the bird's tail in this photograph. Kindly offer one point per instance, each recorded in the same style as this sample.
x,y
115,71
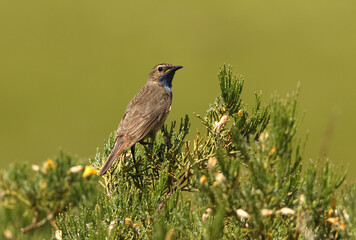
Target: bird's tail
x,y
119,146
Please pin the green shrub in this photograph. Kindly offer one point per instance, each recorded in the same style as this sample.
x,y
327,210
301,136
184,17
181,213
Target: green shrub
x,y
242,179
33,196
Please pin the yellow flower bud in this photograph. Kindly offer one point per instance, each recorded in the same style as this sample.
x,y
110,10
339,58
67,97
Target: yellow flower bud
x,y
330,212
203,179
89,170
48,164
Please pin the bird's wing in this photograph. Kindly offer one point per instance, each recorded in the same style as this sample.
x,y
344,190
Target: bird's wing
x,y
147,110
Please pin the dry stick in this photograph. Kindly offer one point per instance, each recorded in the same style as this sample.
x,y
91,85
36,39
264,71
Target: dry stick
x,y
181,181
185,178
49,217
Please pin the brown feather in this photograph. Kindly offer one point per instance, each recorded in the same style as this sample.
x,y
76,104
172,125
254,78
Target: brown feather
x,y
119,146
145,113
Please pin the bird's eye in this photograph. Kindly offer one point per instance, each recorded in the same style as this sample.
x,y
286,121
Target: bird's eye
x,y
160,69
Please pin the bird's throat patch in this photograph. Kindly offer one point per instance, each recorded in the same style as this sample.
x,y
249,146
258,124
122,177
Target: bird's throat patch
x,y
167,86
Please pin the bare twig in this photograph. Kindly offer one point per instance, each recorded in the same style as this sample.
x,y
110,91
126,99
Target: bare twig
x,y
35,225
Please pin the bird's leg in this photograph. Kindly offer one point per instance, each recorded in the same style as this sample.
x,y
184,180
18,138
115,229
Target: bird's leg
x,y
133,153
133,158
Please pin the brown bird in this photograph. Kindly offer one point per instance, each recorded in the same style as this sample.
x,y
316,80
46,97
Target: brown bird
x,y
146,112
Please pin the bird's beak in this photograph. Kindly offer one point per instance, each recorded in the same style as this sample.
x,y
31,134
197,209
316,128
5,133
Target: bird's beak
x,y
173,69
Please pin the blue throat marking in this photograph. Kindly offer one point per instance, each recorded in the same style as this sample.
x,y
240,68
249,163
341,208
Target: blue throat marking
x,y
167,83
167,86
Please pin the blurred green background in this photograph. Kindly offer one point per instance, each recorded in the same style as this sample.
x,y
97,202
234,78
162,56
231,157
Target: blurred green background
x,y
69,68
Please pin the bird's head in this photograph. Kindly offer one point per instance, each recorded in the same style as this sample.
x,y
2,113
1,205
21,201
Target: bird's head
x,y
163,73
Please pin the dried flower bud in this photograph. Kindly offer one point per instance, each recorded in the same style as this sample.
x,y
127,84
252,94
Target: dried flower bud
x,y
346,216
212,163
203,179
8,234
263,136
209,210
128,222
112,226
58,234
266,212
76,169
219,177
221,123
204,217
273,150
333,203
333,220
137,225
242,213
286,211
302,199
35,168
149,221
97,207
